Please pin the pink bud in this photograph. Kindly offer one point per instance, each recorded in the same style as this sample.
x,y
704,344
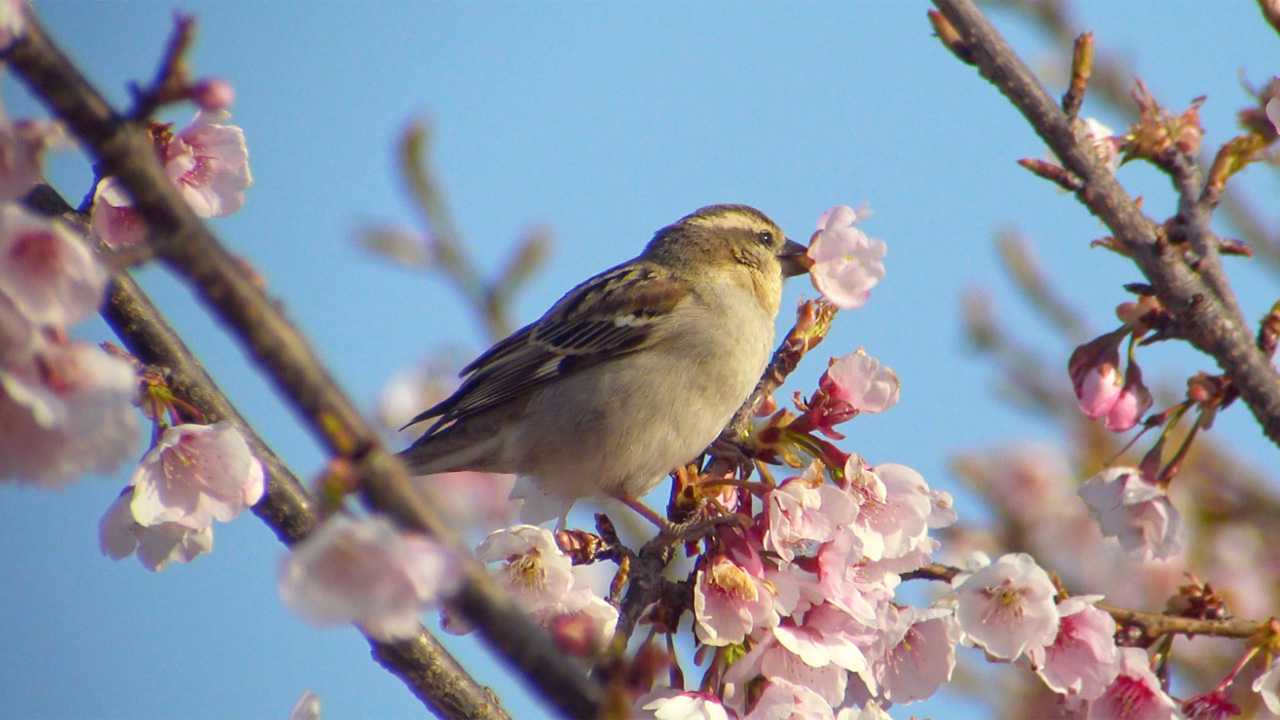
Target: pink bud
x,y
1099,390
213,94
1131,404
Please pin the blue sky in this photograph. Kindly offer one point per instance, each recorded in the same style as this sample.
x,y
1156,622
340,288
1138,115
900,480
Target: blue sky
x,y
601,122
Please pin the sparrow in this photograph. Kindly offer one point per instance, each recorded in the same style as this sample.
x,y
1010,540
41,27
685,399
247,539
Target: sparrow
x,y
630,375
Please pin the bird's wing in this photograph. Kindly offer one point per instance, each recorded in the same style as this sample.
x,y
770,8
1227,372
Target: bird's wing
x,y
612,314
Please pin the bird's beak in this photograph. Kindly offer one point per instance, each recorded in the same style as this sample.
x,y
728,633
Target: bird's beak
x,y
794,258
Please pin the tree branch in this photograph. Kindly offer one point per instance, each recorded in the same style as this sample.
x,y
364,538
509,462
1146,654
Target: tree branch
x,y
1206,318
188,247
421,662
1151,625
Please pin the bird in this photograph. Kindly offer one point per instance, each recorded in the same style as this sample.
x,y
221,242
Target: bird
x,y
630,375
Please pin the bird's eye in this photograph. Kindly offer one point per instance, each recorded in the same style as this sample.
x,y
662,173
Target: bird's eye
x,y
765,238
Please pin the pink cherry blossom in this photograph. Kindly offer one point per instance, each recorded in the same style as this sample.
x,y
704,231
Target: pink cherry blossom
x,y
893,518
782,700
861,382
1273,113
826,636
847,263
209,162
541,578
1007,608
120,536
197,474
845,579
1135,694
531,566
672,704
769,659
1083,659
367,572
46,271
112,219
307,707
805,511
919,655
1134,511
67,411
1268,686
729,602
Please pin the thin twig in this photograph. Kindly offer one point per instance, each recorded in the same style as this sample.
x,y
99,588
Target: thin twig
x,y
1152,625
187,246
1207,320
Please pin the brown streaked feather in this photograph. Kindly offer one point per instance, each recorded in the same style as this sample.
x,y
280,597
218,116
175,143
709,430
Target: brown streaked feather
x,y
608,316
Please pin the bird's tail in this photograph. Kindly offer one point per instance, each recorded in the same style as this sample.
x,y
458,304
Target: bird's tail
x,y
456,448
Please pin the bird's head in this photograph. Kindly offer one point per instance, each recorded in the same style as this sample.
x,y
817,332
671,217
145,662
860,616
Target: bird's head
x,y
728,236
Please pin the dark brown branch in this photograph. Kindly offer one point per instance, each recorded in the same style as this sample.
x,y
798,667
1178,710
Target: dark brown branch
x,y
1207,319
188,247
422,663
1151,625
1271,11
1111,82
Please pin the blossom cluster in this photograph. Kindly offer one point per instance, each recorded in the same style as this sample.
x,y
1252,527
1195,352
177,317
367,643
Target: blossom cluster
x,y
65,406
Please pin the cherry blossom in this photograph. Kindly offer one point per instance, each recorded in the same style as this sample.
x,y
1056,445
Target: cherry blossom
x,y
542,579
1135,694
1101,390
1083,659
533,568
66,412
1268,686
1007,608
1273,113
847,263
120,536
919,655
196,474
861,382
208,161
113,219
826,636
1134,511
367,572
805,511
672,704
782,700
729,602
46,272
768,658
893,517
